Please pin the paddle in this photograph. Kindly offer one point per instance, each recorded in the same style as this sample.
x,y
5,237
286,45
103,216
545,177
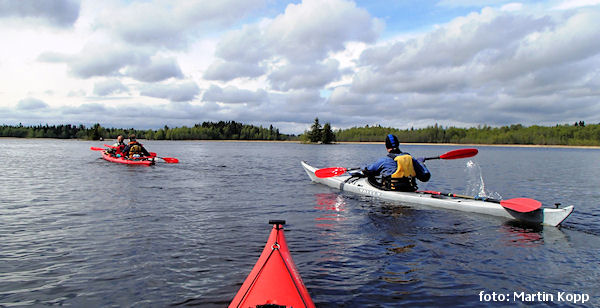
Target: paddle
x,y
454,154
522,205
97,149
168,160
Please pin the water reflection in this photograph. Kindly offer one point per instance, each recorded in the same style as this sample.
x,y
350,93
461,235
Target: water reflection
x,y
331,206
518,234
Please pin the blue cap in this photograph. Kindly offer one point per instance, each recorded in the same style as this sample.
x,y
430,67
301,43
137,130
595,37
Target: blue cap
x,y
391,142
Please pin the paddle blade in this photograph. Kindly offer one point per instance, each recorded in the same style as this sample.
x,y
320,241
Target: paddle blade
x,y
330,172
523,205
96,149
170,160
460,153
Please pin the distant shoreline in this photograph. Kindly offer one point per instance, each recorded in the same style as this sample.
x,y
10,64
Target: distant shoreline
x,y
485,145
356,142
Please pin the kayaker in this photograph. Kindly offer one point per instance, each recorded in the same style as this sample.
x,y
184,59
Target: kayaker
x,y
118,146
134,149
398,170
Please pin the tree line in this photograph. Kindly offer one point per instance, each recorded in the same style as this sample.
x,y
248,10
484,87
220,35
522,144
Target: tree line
x,y
578,134
221,130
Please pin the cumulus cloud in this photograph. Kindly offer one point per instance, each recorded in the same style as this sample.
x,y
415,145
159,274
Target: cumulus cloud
x,y
98,59
227,71
303,35
515,63
176,92
92,109
158,69
60,13
173,24
498,65
304,76
574,4
109,86
31,103
232,95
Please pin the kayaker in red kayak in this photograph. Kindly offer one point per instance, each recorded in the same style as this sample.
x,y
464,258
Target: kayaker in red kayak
x,y
118,147
134,149
398,170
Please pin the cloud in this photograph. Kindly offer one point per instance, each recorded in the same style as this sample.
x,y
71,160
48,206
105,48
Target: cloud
x,y
31,103
232,95
175,92
158,69
173,24
574,4
59,13
531,70
304,76
227,71
91,109
98,59
310,30
303,35
109,86
470,3
180,62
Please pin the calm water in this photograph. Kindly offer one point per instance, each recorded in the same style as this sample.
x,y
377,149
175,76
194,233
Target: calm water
x,y
76,230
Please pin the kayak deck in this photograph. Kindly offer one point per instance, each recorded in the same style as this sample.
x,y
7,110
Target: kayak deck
x,y
274,281
121,160
545,216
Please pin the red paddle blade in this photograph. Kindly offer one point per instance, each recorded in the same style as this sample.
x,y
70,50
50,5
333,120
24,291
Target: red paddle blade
x,y
523,205
460,153
152,154
330,172
96,149
170,160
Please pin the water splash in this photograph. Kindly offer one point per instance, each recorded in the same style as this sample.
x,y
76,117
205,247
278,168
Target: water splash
x,y
475,183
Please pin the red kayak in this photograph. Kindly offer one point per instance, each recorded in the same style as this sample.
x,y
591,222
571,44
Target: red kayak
x,y
141,161
274,281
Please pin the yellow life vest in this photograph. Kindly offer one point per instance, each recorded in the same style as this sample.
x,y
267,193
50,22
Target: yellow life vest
x,y
135,148
405,167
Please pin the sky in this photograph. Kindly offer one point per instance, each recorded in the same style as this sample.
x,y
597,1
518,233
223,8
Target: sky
x,y
147,64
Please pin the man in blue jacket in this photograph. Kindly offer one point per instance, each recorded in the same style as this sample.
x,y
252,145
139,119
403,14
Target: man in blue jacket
x,y
398,170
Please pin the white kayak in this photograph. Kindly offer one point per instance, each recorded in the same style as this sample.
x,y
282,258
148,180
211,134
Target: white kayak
x,y
361,186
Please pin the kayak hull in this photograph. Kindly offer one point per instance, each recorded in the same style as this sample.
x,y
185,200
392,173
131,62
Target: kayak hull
x,y
361,186
121,160
274,280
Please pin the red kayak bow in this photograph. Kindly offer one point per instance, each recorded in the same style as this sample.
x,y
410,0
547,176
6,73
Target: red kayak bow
x,y
274,281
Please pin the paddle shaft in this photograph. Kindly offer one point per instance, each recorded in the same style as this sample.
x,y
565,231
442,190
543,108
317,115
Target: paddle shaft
x,y
431,192
523,205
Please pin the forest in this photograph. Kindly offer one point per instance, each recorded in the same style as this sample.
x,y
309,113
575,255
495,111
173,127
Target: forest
x,y
577,134
221,130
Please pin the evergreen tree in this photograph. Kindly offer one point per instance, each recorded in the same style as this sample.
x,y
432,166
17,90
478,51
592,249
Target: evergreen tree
x,y
95,133
315,131
327,135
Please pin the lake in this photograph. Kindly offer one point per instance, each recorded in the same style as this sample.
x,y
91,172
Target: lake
x,y
77,230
